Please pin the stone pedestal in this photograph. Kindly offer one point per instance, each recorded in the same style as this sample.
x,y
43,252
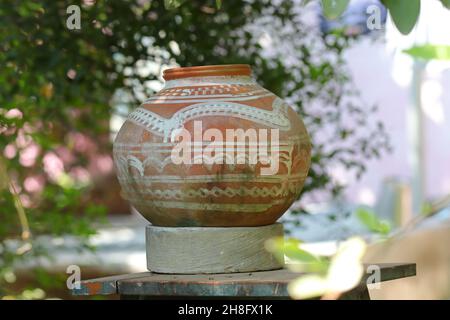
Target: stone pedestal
x,y
193,250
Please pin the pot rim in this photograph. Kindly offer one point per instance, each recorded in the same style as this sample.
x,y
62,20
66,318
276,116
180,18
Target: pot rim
x,y
206,71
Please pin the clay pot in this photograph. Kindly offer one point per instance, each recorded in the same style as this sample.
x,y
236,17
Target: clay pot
x,y
212,148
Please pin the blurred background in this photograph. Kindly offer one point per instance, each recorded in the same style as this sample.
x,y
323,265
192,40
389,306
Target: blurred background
x,y
376,102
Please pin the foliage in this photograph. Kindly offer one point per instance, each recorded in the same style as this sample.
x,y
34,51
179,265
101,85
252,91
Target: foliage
x,y
372,222
326,277
303,261
430,52
57,87
333,9
404,13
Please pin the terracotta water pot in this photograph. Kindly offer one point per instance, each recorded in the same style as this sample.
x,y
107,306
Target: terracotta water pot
x,y
212,148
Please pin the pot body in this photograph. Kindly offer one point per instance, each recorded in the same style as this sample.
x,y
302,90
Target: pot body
x,y
212,148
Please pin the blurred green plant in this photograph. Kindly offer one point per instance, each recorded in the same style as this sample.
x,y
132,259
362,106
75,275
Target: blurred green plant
x,y
59,88
404,13
430,52
332,9
327,277
370,220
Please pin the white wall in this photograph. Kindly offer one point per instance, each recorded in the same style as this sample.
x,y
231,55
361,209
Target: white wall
x,y
383,74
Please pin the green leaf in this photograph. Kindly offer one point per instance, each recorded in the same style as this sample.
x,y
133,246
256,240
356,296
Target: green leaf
x,y
404,13
343,274
430,52
332,9
299,260
4,180
371,221
427,209
173,4
290,248
219,4
446,3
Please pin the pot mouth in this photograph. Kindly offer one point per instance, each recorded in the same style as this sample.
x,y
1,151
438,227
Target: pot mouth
x,y
207,71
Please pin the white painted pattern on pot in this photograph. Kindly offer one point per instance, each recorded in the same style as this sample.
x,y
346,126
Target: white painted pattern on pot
x,y
157,188
168,179
159,146
127,160
187,95
223,81
228,207
215,192
199,99
158,125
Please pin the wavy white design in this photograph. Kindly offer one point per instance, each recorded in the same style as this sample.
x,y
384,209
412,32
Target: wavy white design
x,y
158,156
276,118
207,162
132,161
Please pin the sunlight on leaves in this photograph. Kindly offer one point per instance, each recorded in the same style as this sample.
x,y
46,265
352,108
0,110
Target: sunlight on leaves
x,y
8,275
298,260
427,209
3,175
332,9
344,273
307,287
47,91
346,269
5,182
430,52
173,4
372,222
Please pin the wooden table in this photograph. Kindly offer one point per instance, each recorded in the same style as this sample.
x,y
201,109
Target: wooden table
x,y
254,285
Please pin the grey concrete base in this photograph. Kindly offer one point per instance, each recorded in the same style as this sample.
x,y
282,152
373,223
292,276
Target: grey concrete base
x,y
210,250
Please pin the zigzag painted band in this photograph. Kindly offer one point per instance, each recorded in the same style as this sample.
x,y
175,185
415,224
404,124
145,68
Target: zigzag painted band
x,y
215,192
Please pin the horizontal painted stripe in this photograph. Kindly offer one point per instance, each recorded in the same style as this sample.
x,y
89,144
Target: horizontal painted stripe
x,y
215,178
216,192
163,101
150,145
225,81
229,207
201,150
206,97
